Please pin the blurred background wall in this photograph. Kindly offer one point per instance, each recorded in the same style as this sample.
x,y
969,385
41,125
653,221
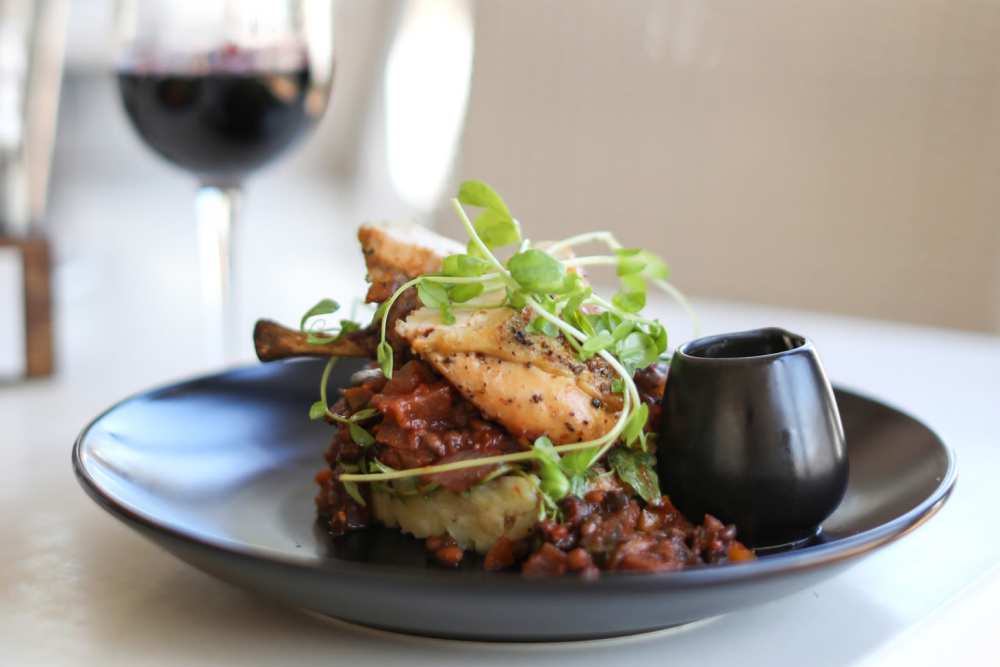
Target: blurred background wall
x,y
840,156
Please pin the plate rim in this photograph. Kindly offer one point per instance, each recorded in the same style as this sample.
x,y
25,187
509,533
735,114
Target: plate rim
x,y
844,549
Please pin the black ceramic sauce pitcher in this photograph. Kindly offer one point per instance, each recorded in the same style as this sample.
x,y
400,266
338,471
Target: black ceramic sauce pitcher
x,y
750,433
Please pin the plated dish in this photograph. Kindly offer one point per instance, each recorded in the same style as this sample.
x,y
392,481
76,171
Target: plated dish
x,y
508,410
218,471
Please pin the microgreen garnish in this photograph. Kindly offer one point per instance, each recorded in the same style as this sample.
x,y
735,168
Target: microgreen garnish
x,y
537,271
638,470
351,487
321,409
317,333
324,307
359,435
553,481
384,357
545,281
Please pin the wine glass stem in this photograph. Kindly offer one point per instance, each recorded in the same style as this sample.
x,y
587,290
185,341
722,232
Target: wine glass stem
x,y
217,208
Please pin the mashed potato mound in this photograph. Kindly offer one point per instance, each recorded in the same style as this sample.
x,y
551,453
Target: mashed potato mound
x,y
503,507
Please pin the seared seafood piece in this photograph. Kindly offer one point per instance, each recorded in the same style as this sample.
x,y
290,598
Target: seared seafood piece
x,y
395,253
530,383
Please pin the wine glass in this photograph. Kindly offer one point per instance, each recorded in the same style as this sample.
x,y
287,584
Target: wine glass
x,y
220,88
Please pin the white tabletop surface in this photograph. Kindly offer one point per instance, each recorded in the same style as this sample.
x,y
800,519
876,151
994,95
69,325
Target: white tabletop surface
x,y
79,588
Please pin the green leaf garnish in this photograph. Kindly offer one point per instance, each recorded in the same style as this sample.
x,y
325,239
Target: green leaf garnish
x,y
477,193
347,326
637,350
622,330
360,436
516,299
629,262
638,470
432,294
536,271
595,344
354,492
554,483
317,410
630,302
362,415
462,293
324,307
465,266
576,463
577,298
578,485
545,450
543,326
384,355
656,268
635,424
497,229
659,335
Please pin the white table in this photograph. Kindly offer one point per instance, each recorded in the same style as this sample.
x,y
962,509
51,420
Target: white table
x,y
78,588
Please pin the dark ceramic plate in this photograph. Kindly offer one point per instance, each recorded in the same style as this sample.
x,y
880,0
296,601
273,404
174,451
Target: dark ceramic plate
x,y
219,472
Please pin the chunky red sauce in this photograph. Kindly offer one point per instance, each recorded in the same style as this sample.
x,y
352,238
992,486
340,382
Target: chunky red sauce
x,y
425,421
608,530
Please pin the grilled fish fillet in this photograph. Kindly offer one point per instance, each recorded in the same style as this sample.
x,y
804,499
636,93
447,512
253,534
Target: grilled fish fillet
x,y
532,384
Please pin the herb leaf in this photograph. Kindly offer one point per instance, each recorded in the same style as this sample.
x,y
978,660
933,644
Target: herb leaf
x,y
630,261
637,350
359,435
362,415
465,266
354,492
554,483
432,294
317,410
347,326
635,424
464,292
384,355
545,450
656,268
497,229
578,485
576,463
515,299
638,470
630,301
477,193
324,307
543,326
537,271
595,344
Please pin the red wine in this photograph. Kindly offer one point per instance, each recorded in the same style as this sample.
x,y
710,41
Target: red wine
x,y
220,125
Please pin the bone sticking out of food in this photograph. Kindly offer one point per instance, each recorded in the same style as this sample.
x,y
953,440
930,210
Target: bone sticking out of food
x,y
273,341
